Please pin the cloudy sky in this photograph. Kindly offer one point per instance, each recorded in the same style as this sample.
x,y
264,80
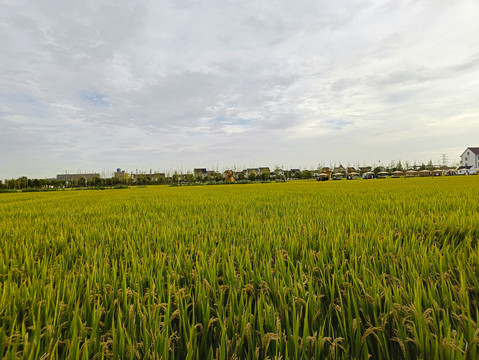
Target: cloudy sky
x,y
175,84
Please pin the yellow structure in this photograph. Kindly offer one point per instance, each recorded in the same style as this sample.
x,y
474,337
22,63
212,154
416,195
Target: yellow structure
x,y
229,176
327,171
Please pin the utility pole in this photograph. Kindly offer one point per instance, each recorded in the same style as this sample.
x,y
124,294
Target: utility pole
x,y
444,159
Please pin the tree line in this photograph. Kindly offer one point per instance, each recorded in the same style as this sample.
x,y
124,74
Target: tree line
x,y
148,179
24,182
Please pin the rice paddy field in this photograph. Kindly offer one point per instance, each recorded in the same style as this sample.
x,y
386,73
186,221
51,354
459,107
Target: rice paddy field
x,y
382,269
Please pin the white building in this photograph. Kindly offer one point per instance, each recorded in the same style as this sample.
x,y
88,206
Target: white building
x,y
469,160
466,170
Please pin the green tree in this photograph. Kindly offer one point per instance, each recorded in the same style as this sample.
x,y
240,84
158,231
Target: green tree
x,y
265,174
96,181
23,182
307,174
278,173
82,182
218,176
175,178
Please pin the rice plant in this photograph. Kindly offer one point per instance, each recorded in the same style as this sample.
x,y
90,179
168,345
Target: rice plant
x,y
383,269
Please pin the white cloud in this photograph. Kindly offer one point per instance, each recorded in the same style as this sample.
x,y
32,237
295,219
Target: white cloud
x,y
100,85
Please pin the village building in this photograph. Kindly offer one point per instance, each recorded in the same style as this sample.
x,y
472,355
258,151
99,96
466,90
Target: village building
x,y
249,171
200,172
77,177
121,175
466,170
293,172
470,157
150,176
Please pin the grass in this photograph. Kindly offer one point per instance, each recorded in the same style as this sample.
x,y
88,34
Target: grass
x,y
386,269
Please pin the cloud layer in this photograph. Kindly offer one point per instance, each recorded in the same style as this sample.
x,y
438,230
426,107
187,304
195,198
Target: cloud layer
x,y
96,85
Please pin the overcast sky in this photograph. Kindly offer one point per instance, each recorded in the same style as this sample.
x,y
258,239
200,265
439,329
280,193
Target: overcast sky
x,y
95,85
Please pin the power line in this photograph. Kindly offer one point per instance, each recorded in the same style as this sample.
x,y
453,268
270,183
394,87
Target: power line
x,y
444,159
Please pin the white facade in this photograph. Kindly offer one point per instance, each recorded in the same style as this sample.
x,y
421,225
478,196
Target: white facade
x,y
470,157
471,171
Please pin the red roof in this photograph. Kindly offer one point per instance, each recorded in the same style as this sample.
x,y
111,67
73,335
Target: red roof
x,y
475,150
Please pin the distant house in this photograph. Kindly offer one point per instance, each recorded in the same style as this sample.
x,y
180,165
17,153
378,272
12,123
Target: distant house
x,y
239,175
466,170
470,157
251,171
157,176
121,175
276,173
147,176
339,169
293,172
200,172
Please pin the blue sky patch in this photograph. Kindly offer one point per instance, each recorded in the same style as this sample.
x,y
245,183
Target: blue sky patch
x,y
95,98
338,124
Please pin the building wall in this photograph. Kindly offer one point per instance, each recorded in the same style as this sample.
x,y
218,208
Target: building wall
x,y
201,172
121,175
471,171
472,159
76,177
153,177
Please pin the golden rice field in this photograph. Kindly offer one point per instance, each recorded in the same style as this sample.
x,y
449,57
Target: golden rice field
x,y
382,269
